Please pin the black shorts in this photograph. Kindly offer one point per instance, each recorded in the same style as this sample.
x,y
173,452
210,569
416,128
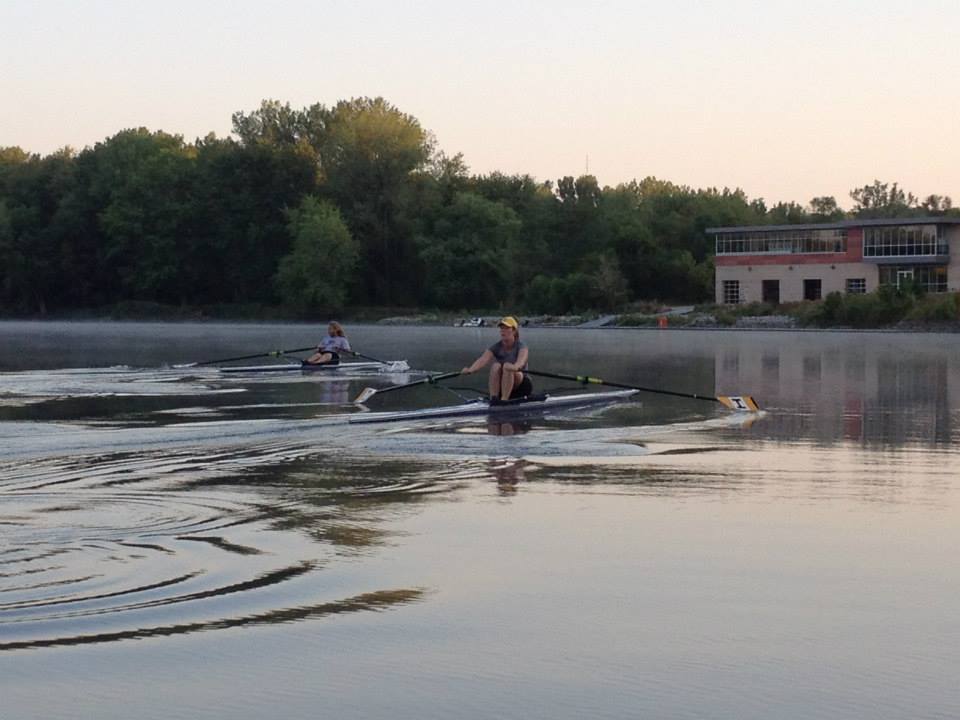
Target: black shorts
x,y
523,389
334,358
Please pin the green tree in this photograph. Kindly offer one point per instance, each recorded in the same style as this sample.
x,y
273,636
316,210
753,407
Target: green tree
x,y
937,204
239,230
317,273
610,290
883,200
143,183
825,208
787,213
580,228
465,254
370,154
532,251
32,274
278,125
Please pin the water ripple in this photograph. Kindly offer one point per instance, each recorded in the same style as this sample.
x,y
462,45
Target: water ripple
x,y
374,601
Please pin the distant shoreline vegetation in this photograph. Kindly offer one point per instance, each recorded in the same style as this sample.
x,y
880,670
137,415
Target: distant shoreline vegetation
x,y
889,308
309,213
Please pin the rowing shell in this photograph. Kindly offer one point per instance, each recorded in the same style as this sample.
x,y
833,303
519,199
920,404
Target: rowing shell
x,y
533,404
395,366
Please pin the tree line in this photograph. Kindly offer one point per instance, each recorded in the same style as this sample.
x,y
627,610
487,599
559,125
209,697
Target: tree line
x,y
325,208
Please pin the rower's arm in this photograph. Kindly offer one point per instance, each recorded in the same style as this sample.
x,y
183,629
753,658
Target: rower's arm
x,y
521,360
480,362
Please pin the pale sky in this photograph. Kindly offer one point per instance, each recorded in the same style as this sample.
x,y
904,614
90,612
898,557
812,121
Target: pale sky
x,y
787,100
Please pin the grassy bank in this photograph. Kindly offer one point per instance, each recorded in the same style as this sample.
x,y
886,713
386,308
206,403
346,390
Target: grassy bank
x,y
887,308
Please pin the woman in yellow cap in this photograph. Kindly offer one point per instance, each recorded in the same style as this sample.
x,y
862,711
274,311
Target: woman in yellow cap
x,y
508,376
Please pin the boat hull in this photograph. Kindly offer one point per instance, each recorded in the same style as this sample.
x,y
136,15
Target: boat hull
x,y
543,403
299,367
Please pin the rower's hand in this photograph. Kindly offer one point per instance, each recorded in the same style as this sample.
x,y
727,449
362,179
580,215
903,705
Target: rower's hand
x,y
466,371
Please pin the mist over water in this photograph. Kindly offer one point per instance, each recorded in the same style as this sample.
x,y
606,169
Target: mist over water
x,y
182,543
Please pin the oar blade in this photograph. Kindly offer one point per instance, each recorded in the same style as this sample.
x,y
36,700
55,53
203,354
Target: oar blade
x,y
739,403
365,395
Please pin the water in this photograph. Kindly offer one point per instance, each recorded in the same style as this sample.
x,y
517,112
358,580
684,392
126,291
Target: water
x,y
178,543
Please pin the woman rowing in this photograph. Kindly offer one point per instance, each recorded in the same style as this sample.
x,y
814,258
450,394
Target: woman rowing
x,y
329,349
508,361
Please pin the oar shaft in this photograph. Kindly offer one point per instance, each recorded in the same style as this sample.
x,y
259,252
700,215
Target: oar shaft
x,y
429,380
586,379
369,392
368,357
272,353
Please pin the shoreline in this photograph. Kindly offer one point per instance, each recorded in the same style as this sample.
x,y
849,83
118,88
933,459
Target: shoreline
x,y
413,322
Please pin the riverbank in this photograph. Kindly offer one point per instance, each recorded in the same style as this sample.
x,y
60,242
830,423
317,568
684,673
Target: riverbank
x,y
890,310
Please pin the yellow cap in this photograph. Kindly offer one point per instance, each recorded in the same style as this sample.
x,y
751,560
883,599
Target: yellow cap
x,y
508,321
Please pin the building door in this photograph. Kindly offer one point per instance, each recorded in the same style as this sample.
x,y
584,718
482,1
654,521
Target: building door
x,y
811,289
904,276
771,292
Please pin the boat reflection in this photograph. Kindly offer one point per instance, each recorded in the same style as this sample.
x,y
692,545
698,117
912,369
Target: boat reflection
x,y
336,392
508,475
515,427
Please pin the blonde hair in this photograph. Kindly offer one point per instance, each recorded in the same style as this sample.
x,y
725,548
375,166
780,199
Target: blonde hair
x,y
337,328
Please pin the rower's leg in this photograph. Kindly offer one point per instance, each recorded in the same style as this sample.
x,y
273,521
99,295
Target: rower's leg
x,y
494,384
319,358
509,380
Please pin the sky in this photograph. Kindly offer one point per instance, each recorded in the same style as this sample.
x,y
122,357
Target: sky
x,y
785,100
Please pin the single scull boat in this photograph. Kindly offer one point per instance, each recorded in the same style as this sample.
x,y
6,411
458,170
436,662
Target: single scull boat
x,y
521,406
394,366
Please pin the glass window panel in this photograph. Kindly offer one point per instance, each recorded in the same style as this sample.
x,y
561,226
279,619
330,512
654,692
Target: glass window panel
x,y
856,286
731,292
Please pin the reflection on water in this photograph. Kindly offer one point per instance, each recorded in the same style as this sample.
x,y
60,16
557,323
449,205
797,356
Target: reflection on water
x,y
508,474
149,550
877,389
663,559
517,427
336,392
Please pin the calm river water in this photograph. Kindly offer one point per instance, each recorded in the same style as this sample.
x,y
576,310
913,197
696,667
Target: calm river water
x,y
179,543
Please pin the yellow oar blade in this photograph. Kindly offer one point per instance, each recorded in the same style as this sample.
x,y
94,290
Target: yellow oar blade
x,y
739,403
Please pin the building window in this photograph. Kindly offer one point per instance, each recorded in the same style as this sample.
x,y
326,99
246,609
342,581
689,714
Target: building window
x,y
781,242
811,367
731,292
904,240
931,278
811,289
771,292
770,366
856,286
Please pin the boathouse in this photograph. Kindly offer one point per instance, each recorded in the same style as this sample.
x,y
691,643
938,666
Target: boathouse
x,y
787,263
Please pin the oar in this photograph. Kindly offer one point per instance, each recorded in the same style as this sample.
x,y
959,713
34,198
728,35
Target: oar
x,y
734,402
274,353
369,392
392,365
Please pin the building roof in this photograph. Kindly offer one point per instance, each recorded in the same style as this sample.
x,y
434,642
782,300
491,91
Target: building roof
x,y
842,225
